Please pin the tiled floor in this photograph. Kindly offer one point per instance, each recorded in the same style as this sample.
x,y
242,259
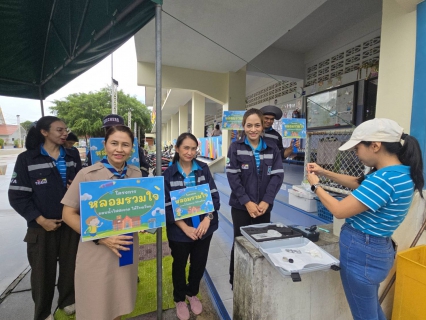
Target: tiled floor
x,y
218,267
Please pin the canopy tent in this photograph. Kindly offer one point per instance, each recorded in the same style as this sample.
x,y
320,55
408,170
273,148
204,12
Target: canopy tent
x,y
46,44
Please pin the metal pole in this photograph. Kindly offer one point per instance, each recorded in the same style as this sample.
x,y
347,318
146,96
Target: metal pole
x,y
158,103
112,86
42,108
41,100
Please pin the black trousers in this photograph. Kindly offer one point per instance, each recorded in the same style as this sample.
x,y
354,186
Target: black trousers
x,y
44,250
197,251
241,218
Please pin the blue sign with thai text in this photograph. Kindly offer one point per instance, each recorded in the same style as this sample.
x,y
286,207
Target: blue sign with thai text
x,y
120,206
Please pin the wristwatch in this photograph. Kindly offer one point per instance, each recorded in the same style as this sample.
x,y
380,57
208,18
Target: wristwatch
x,y
315,186
210,216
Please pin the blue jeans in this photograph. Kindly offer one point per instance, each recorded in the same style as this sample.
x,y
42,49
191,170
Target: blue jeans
x,y
365,261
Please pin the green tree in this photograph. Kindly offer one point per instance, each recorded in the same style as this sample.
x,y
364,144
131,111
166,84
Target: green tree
x,y
83,112
26,125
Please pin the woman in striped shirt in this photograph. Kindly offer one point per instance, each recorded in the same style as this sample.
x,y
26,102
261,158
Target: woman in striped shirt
x,y
377,206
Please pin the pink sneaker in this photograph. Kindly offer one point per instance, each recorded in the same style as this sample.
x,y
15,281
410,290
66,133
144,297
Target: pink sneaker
x,y
182,311
196,306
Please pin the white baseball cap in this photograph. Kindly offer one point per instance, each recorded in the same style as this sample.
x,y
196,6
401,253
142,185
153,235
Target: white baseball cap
x,y
378,129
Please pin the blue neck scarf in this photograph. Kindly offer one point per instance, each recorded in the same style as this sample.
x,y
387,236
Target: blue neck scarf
x,y
121,175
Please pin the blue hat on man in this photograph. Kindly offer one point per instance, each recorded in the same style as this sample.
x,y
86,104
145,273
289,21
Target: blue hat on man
x,y
112,120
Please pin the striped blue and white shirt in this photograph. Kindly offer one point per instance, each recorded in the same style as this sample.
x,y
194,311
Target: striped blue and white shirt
x,y
256,151
387,193
61,164
189,180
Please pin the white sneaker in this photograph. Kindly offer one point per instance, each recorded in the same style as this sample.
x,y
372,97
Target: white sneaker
x,y
69,310
50,317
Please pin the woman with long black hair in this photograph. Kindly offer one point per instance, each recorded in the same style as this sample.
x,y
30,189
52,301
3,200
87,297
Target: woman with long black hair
x,y
377,206
189,237
39,182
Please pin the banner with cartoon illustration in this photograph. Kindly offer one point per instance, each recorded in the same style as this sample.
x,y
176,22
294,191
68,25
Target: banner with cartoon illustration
x,y
191,201
97,151
293,128
115,207
232,120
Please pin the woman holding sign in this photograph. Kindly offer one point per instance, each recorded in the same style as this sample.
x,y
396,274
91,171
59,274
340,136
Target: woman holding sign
x,y
255,173
188,237
104,290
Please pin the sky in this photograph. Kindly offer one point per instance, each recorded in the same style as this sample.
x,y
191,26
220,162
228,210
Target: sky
x,y
99,76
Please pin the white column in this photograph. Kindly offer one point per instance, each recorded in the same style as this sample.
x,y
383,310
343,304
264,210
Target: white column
x,y
183,119
169,132
175,127
163,135
236,101
198,114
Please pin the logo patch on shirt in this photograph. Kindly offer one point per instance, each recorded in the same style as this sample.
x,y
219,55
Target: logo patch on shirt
x,y
244,166
41,181
269,170
14,175
228,160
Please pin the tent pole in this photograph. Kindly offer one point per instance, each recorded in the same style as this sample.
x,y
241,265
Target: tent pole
x,y
158,103
41,100
42,108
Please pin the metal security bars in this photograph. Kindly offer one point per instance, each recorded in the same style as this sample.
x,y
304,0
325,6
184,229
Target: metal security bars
x,y
322,148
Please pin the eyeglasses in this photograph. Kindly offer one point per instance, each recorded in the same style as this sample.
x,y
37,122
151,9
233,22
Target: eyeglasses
x,y
61,130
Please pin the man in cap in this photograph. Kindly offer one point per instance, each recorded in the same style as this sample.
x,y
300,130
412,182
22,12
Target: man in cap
x,y
69,144
116,120
271,113
71,140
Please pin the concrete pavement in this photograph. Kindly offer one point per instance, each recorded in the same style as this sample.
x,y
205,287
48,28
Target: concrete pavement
x,y
14,266
13,255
